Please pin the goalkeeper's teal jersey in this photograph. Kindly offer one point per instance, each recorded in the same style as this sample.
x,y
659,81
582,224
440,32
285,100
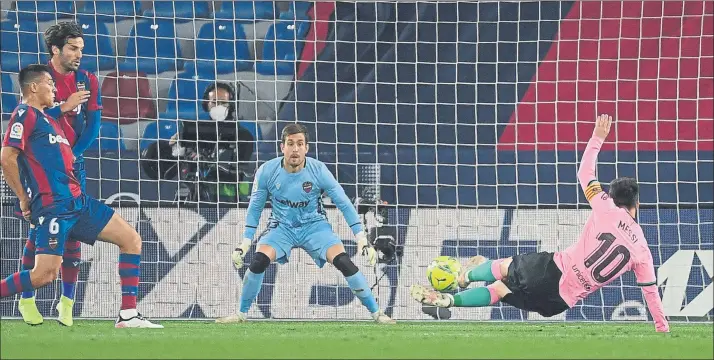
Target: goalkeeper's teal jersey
x,y
297,198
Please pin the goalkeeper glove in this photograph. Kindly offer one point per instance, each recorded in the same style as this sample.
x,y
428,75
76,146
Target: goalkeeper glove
x,y
239,253
364,248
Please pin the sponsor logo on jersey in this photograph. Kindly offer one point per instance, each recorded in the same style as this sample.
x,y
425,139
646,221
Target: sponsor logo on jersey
x,y
58,139
293,204
16,131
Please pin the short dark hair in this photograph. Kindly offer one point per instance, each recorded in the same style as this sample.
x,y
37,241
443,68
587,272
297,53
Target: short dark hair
x,y
220,85
625,192
293,129
30,74
58,34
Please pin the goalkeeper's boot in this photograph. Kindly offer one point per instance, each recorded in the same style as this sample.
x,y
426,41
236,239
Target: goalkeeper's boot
x,y
232,319
132,319
64,311
431,297
473,263
381,318
29,312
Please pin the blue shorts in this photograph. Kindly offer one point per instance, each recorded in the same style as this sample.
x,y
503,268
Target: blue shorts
x,y
315,238
80,219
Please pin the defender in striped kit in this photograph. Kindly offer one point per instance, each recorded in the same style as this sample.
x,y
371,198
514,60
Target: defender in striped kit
x,y
36,153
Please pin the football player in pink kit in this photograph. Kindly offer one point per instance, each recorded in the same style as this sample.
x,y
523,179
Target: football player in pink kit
x,y
549,283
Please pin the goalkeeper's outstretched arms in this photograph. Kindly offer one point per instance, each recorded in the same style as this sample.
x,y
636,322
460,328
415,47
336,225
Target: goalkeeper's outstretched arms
x,y
255,208
647,281
586,173
335,191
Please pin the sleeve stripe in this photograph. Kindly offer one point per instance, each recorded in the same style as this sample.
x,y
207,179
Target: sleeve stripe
x,y
357,223
647,284
252,227
593,189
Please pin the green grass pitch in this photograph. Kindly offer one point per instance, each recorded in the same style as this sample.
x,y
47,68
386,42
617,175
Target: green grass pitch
x,y
333,340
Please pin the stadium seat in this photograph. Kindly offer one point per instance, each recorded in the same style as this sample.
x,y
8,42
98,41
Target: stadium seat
x,y
21,46
181,10
153,48
162,129
283,44
126,96
98,53
110,138
245,10
9,95
298,11
221,48
111,10
39,11
185,96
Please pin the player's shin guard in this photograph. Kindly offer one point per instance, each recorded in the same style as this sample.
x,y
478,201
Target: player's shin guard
x,y
70,267
129,278
476,297
359,286
252,283
15,283
488,271
28,259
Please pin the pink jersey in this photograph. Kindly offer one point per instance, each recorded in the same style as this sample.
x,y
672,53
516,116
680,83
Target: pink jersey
x,y
611,243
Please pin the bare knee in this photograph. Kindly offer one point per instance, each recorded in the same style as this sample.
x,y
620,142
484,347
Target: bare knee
x,y
43,275
500,289
503,267
132,244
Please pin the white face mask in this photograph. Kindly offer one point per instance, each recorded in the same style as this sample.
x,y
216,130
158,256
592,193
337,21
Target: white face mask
x,y
219,112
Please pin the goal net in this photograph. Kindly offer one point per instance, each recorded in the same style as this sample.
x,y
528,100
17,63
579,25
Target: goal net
x,y
469,119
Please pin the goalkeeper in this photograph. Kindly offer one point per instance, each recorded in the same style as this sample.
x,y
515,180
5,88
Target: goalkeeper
x,y
295,184
549,283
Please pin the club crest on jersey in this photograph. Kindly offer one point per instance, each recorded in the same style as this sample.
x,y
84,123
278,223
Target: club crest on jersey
x,y
81,86
16,131
307,186
58,139
53,243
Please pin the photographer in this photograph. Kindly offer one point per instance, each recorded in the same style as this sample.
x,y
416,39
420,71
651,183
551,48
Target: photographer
x,y
209,153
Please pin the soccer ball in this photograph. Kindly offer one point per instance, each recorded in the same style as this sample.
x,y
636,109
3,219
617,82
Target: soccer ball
x,y
443,273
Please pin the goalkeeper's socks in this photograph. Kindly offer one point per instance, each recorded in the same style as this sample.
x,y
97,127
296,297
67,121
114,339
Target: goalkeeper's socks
x,y
129,279
70,267
488,271
15,283
480,296
360,288
28,259
252,283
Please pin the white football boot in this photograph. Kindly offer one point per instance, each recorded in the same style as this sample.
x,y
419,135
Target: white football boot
x,y
232,319
381,318
132,319
431,297
473,262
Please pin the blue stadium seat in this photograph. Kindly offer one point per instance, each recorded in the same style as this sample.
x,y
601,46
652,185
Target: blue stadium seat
x,y
185,96
153,48
39,11
9,96
298,11
245,10
220,49
110,138
283,43
21,46
157,130
111,10
181,10
98,53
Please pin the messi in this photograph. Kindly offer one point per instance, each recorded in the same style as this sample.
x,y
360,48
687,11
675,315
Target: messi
x,y
58,139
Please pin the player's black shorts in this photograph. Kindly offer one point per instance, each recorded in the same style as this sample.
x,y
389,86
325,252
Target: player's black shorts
x,y
533,278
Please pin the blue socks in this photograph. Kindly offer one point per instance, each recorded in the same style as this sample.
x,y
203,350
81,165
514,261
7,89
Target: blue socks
x,y
360,288
251,287
68,290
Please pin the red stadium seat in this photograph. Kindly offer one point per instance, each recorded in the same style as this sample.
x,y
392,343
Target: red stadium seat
x,y
126,96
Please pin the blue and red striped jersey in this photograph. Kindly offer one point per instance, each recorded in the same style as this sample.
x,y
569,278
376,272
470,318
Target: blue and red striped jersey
x,y
74,121
46,158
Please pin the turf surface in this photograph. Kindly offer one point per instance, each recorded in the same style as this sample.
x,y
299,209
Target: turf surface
x,y
434,340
